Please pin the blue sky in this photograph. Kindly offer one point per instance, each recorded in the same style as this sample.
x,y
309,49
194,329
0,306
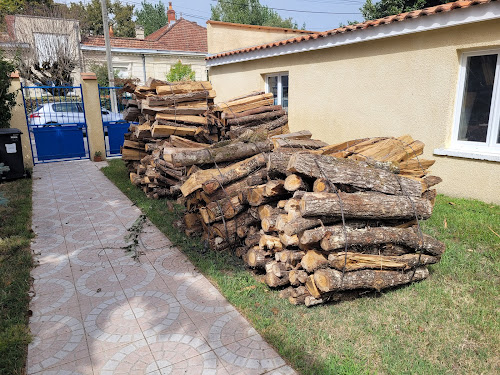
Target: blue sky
x,y
328,12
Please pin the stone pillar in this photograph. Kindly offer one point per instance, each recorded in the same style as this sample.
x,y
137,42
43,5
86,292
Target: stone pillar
x,y
18,119
95,131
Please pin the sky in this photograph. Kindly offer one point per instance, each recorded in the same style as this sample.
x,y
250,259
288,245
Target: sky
x,y
318,15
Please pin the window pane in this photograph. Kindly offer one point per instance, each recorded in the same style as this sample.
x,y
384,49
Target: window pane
x,y
284,92
479,80
273,87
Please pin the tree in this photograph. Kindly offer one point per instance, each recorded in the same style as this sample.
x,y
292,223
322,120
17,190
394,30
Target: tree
x,y
7,99
101,72
90,17
152,17
52,51
21,7
180,72
250,12
384,8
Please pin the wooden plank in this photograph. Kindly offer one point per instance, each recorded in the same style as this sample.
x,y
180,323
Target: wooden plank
x,y
200,120
166,130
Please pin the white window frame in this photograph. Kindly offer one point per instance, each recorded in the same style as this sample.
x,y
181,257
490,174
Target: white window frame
x,y
280,87
490,146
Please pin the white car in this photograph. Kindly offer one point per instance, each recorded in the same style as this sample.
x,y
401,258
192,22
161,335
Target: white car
x,y
60,113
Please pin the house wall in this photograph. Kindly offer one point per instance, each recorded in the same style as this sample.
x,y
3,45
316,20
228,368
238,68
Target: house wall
x,y
157,66
228,36
387,87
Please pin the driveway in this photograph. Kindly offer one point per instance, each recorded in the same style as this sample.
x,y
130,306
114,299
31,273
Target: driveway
x,y
96,310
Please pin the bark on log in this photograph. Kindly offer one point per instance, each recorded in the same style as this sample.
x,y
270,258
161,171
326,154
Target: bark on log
x,y
297,277
262,109
289,241
270,243
236,131
335,239
273,281
233,151
328,280
349,172
252,240
368,205
356,261
227,208
242,220
278,162
255,119
234,188
301,224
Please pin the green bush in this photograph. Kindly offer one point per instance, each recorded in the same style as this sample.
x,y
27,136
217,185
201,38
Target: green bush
x,y
7,99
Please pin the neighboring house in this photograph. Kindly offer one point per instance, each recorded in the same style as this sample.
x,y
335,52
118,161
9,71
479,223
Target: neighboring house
x,y
153,55
432,73
140,57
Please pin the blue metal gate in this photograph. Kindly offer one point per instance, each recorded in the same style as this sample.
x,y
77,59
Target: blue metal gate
x,y
112,118
56,122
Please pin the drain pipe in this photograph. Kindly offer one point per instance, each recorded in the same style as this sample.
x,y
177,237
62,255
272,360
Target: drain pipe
x,y
144,67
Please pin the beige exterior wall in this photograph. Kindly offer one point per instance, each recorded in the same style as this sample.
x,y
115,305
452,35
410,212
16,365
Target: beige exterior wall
x,y
228,36
157,66
18,120
95,131
387,87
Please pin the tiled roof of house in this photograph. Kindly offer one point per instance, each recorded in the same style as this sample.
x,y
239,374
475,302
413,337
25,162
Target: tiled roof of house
x,y
259,27
183,35
361,26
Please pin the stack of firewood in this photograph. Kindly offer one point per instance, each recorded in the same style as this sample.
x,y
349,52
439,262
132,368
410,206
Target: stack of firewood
x,y
172,117
255,111
351,226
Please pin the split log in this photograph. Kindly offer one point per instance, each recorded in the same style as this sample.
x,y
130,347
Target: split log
x,y
368,205
270,243
328,279
262,109
310,301
233,151
310,144
303,134
335,239
297,277
289,241
313,260
356,261
354,173
312,288
159,131
237,131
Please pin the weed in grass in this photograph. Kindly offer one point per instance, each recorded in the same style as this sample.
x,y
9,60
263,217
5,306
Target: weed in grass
x,y
447,324
15,266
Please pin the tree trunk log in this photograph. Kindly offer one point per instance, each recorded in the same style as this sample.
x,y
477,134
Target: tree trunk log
x,y
233,151
270,243
227,207
301,224
263,109
335,239
232,189
297,277
277,162
294,182
328,280
242,220
257,258
354,173
255,119
233,173
367,205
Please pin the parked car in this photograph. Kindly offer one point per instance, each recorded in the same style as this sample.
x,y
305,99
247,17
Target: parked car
x,y
61,113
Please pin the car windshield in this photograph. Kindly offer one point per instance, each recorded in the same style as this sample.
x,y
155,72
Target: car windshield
x,y
66,107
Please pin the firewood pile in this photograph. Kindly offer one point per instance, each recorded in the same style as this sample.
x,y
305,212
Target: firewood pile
x,y
322,222
172,117
255,111
325,221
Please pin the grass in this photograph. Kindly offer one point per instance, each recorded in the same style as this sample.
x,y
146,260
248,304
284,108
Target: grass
x,y
447,324
15,266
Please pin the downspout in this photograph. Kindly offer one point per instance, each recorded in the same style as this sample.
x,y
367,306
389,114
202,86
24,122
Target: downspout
x,y
144,67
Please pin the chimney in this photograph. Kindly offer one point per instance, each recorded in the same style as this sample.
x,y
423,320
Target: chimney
x,y
170,14
111,32
139,32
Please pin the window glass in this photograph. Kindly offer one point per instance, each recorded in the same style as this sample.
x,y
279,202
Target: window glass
x,y
475,112
284,91
272,82
66,107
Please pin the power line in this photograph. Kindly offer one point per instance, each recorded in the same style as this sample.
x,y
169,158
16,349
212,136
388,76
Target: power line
x,y
290,10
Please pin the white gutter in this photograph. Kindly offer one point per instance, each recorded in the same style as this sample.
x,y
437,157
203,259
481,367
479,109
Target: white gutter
x,y
143,51
456,17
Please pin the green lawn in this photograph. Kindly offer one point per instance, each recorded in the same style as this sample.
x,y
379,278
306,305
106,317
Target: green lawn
x,y
15,266
447,324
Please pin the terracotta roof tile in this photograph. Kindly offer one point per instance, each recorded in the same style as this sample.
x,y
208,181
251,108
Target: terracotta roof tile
x,y
184,35
363,25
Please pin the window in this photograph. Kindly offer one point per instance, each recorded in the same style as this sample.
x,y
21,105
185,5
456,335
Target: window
x,y
67,107
477,116
278,85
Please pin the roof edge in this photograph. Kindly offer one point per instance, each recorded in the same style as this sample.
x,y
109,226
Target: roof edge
x,y
343,36
270,28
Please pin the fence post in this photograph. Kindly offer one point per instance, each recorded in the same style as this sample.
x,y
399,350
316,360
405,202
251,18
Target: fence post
x,y
95,131
18,119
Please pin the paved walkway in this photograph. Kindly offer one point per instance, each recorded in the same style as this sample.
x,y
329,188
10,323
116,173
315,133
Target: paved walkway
x,y
97,311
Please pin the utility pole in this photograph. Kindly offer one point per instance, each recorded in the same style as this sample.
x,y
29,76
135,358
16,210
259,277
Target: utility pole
x,y
109,59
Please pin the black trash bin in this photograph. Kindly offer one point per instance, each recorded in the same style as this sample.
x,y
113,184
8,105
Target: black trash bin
x,y
11,153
